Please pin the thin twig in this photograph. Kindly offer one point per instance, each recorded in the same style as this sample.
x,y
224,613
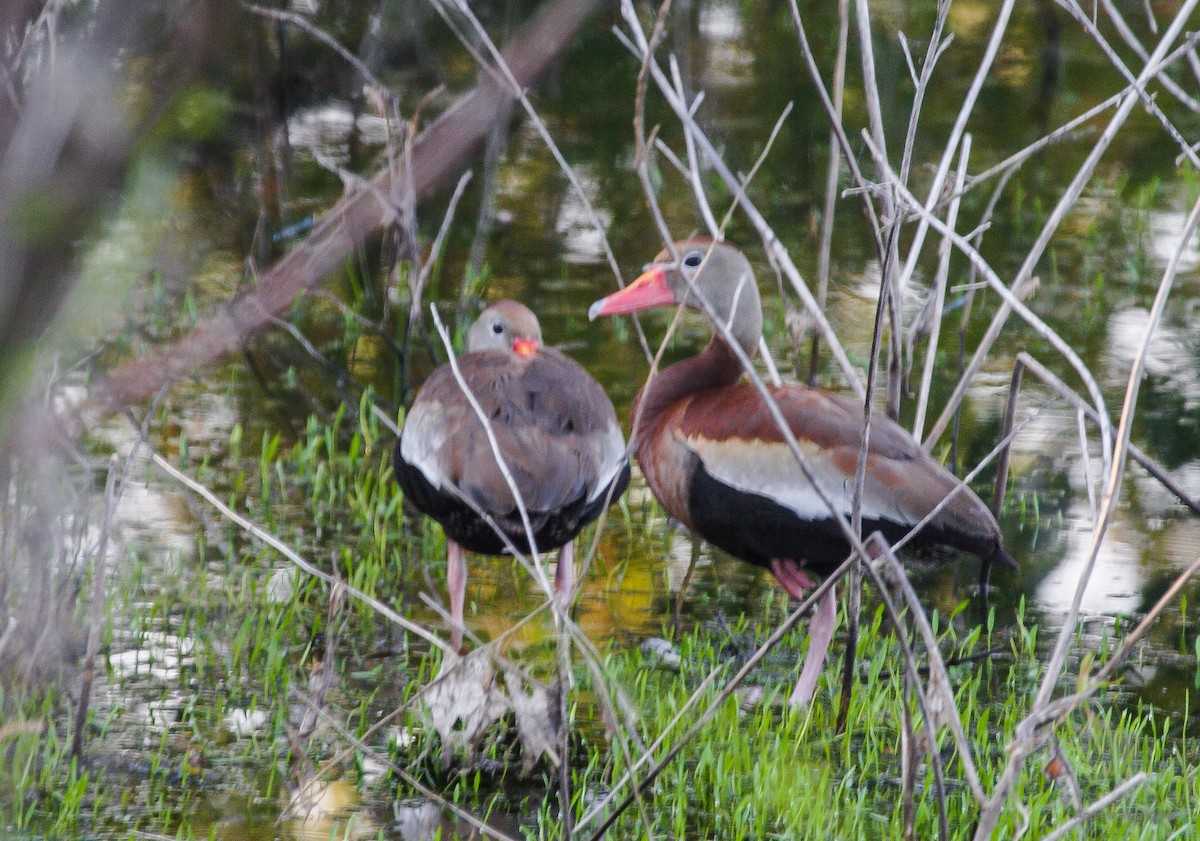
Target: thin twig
x,y
829,208
771,243
1098,806
1065,204
1024,739
506,75
283,549
937,295
1148,102
955,139
302,22
711,710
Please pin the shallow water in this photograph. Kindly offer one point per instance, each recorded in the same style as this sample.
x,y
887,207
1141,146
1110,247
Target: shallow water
x,y
1096,286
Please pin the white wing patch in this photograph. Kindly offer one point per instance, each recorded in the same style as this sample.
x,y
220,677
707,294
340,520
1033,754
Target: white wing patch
x,y
613,459
421,440
771,470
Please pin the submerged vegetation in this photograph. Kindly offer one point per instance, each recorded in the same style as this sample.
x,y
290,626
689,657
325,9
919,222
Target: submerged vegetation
x,y
201,726
219,620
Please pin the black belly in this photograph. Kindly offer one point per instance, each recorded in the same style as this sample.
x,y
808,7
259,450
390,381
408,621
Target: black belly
x,y
463,525
757,529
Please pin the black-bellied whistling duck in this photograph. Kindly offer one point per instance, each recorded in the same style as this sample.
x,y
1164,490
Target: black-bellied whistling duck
x,y
717,462
555,428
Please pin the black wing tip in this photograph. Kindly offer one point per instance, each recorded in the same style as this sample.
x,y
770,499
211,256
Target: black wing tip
x,y
1001,558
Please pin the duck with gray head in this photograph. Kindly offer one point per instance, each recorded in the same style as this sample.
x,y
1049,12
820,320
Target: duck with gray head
x,y
555,429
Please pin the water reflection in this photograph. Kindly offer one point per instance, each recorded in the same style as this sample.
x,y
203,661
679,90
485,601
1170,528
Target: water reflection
x,y
1168,355
326,130
581,242
1165,234
320,810
1116,582
744,57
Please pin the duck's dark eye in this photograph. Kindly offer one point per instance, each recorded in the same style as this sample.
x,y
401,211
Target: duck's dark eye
x,y
497,327
693,259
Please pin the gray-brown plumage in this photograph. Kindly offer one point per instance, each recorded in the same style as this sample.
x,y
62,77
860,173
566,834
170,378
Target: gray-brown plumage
x,y
715,459
554,426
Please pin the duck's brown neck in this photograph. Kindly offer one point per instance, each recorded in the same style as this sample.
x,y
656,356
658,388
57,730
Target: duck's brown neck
x,y
713,367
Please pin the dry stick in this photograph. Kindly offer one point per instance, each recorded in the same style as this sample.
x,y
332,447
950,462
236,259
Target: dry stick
x,y
938,293
1147,100
517,90
283,549
854,596
1027,362
964,323
744,181
418,278
771,243
322,677
1010,413
693,160
535,565
1074,123
938,675
933,51
889,300
1065,204
831,183
1132,41
954,140
1024,740
443,231
302,22
1089,480
642,146
1007,296
862,186
714,705
1098,806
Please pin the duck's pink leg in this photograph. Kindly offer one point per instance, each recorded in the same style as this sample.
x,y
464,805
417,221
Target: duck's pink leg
x,y
564,576
820,627
820,633
456,583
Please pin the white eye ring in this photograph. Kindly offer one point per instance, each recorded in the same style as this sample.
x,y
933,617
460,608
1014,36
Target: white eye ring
x,y
497,327
693,259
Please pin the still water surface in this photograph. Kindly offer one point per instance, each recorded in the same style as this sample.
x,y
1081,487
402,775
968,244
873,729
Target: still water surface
x,y
1096,286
